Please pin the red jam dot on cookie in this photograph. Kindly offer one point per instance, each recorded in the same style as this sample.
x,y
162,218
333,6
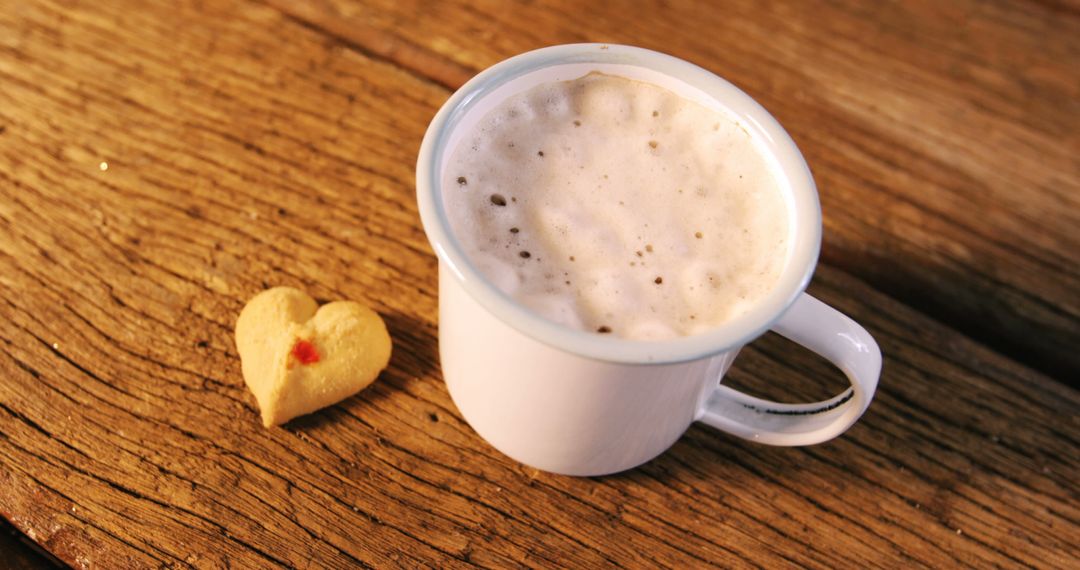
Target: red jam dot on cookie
x,y
305,352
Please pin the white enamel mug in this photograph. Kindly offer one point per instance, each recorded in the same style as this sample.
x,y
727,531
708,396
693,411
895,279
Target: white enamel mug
x,y
581,403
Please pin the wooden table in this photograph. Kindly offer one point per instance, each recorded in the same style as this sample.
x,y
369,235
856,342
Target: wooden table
x,y
161,164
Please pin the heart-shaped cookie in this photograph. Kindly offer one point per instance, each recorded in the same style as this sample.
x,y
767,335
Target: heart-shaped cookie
x,y
298,357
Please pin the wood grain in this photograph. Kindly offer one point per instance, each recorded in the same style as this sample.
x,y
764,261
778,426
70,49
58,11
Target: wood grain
x,y
944,136
158,167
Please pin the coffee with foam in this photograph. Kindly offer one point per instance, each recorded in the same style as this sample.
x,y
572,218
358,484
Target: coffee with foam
x,y
617,206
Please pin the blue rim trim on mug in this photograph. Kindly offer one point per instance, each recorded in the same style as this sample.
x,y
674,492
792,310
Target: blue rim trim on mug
x,y
805,236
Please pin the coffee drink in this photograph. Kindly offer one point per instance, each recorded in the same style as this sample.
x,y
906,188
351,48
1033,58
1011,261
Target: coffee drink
x,y
617,206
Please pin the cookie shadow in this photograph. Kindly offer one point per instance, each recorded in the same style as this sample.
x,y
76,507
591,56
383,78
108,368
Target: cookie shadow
x,y
416,347
414,356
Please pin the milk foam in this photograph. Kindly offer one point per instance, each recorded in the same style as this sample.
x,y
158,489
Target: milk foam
x,y
612,205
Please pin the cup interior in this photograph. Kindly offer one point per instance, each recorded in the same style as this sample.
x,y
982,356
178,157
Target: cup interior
x,y
521,73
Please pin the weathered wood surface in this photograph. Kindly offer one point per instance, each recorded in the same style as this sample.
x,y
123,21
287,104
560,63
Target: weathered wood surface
x,y
256,144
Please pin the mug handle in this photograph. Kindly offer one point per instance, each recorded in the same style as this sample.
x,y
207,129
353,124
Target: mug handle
x,y
829,333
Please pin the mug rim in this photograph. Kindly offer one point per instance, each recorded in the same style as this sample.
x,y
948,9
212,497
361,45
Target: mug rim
x,y
806,210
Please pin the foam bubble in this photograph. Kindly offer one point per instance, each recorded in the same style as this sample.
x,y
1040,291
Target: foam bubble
x,y
559,308
650,329
501,273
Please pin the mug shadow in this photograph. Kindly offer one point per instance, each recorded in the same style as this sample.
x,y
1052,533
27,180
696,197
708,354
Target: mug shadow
x,y
706,457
